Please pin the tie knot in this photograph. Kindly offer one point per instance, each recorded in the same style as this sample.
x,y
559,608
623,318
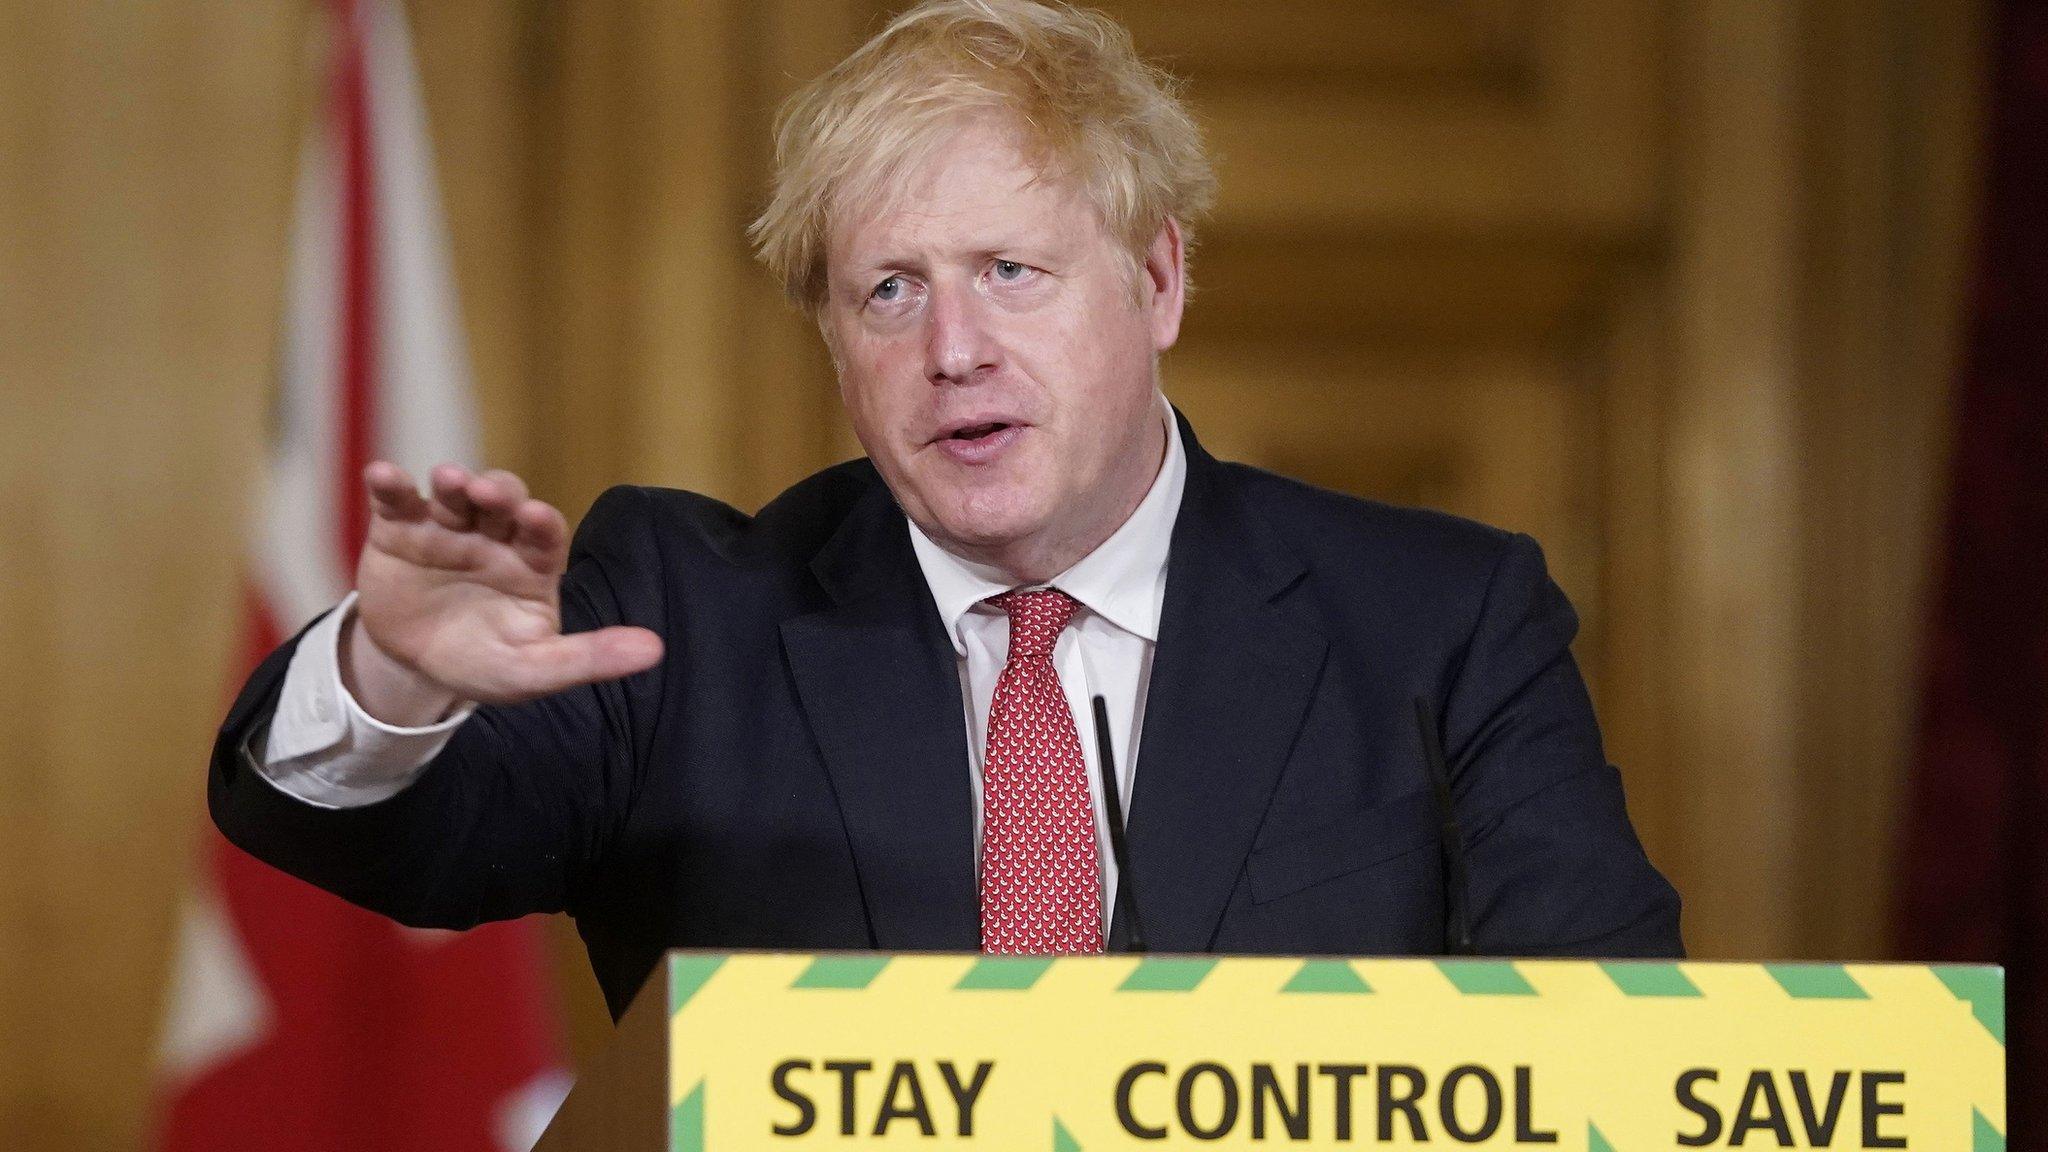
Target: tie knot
x,y
1036,619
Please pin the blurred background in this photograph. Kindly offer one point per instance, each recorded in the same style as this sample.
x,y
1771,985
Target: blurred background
x,y
1680,288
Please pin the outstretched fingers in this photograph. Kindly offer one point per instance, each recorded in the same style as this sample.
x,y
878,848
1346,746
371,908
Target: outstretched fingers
x,y
451,507
393,495
463,516
496,496
540,536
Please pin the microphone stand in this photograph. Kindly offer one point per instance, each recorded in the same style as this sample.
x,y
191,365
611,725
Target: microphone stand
x,y
1457,929
1126,910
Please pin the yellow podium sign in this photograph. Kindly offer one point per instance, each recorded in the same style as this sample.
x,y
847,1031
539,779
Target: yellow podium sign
x,y
1120,1052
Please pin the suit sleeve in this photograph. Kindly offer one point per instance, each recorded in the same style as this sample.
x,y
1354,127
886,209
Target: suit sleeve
x,y
1554,865
518,807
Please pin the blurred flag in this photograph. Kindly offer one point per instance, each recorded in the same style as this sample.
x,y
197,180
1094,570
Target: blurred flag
x,y
297,1022
1974,881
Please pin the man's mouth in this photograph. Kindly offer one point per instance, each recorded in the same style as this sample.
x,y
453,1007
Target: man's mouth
x,y
980,443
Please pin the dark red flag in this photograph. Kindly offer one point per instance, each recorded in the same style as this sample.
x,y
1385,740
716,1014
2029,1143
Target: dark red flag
x,y
1974,872
297,1022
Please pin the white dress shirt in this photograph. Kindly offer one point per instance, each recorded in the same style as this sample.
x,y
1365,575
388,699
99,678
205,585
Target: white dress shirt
x,y
322,748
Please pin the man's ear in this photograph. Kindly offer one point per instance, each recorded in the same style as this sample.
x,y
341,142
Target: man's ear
x,y
1165,283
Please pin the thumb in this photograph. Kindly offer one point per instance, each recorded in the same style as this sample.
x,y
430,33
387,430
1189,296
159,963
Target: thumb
x,y
566,661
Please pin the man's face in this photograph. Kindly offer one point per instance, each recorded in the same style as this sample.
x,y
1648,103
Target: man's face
x,y
996,357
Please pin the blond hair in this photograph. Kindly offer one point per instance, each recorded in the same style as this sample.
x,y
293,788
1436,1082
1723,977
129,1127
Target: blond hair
x,y
1069,78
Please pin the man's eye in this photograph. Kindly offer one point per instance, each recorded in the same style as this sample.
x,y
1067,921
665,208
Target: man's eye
x,y
889,290
1010,270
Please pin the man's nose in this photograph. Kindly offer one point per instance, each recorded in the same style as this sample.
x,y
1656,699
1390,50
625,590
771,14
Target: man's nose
x,y
959,345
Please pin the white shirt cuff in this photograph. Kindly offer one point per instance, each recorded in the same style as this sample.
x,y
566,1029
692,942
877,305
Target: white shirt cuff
x,y
322,748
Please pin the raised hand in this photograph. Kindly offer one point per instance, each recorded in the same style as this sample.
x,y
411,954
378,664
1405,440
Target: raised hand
x,y
457,599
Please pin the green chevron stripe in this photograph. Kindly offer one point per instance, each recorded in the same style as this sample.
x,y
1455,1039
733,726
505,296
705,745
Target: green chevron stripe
x,y
1595,1142
1485,977
1644,978
686,976
1326,976
1167,974
853,972
1817,981
686,1122
1063,1140
1983,987
1983,1137
1004,974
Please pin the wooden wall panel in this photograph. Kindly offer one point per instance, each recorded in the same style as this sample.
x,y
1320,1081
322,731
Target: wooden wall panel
x,y
1551,123
1890,192
477,75
667,357
145,160
1735,470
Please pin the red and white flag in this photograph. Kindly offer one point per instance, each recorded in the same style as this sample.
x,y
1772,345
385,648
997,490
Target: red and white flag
x,y
297,1022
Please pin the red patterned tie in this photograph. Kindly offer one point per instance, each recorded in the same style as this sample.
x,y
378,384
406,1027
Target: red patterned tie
x,y
1041,886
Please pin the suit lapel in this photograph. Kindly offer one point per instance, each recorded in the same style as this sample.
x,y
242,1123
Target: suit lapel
x,y
1232,676
880,688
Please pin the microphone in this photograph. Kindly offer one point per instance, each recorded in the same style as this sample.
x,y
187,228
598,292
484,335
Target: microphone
x,y
1457,929
1113,810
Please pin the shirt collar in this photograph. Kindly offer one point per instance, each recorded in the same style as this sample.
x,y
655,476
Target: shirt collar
x,y
1122,580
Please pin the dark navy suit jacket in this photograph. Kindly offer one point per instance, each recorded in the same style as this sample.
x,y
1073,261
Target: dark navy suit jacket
x,y
791,774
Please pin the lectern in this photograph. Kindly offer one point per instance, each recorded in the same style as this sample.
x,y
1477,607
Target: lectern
x,y
857,1050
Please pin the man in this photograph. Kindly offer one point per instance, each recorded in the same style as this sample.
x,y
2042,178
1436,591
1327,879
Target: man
x,y
860,718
